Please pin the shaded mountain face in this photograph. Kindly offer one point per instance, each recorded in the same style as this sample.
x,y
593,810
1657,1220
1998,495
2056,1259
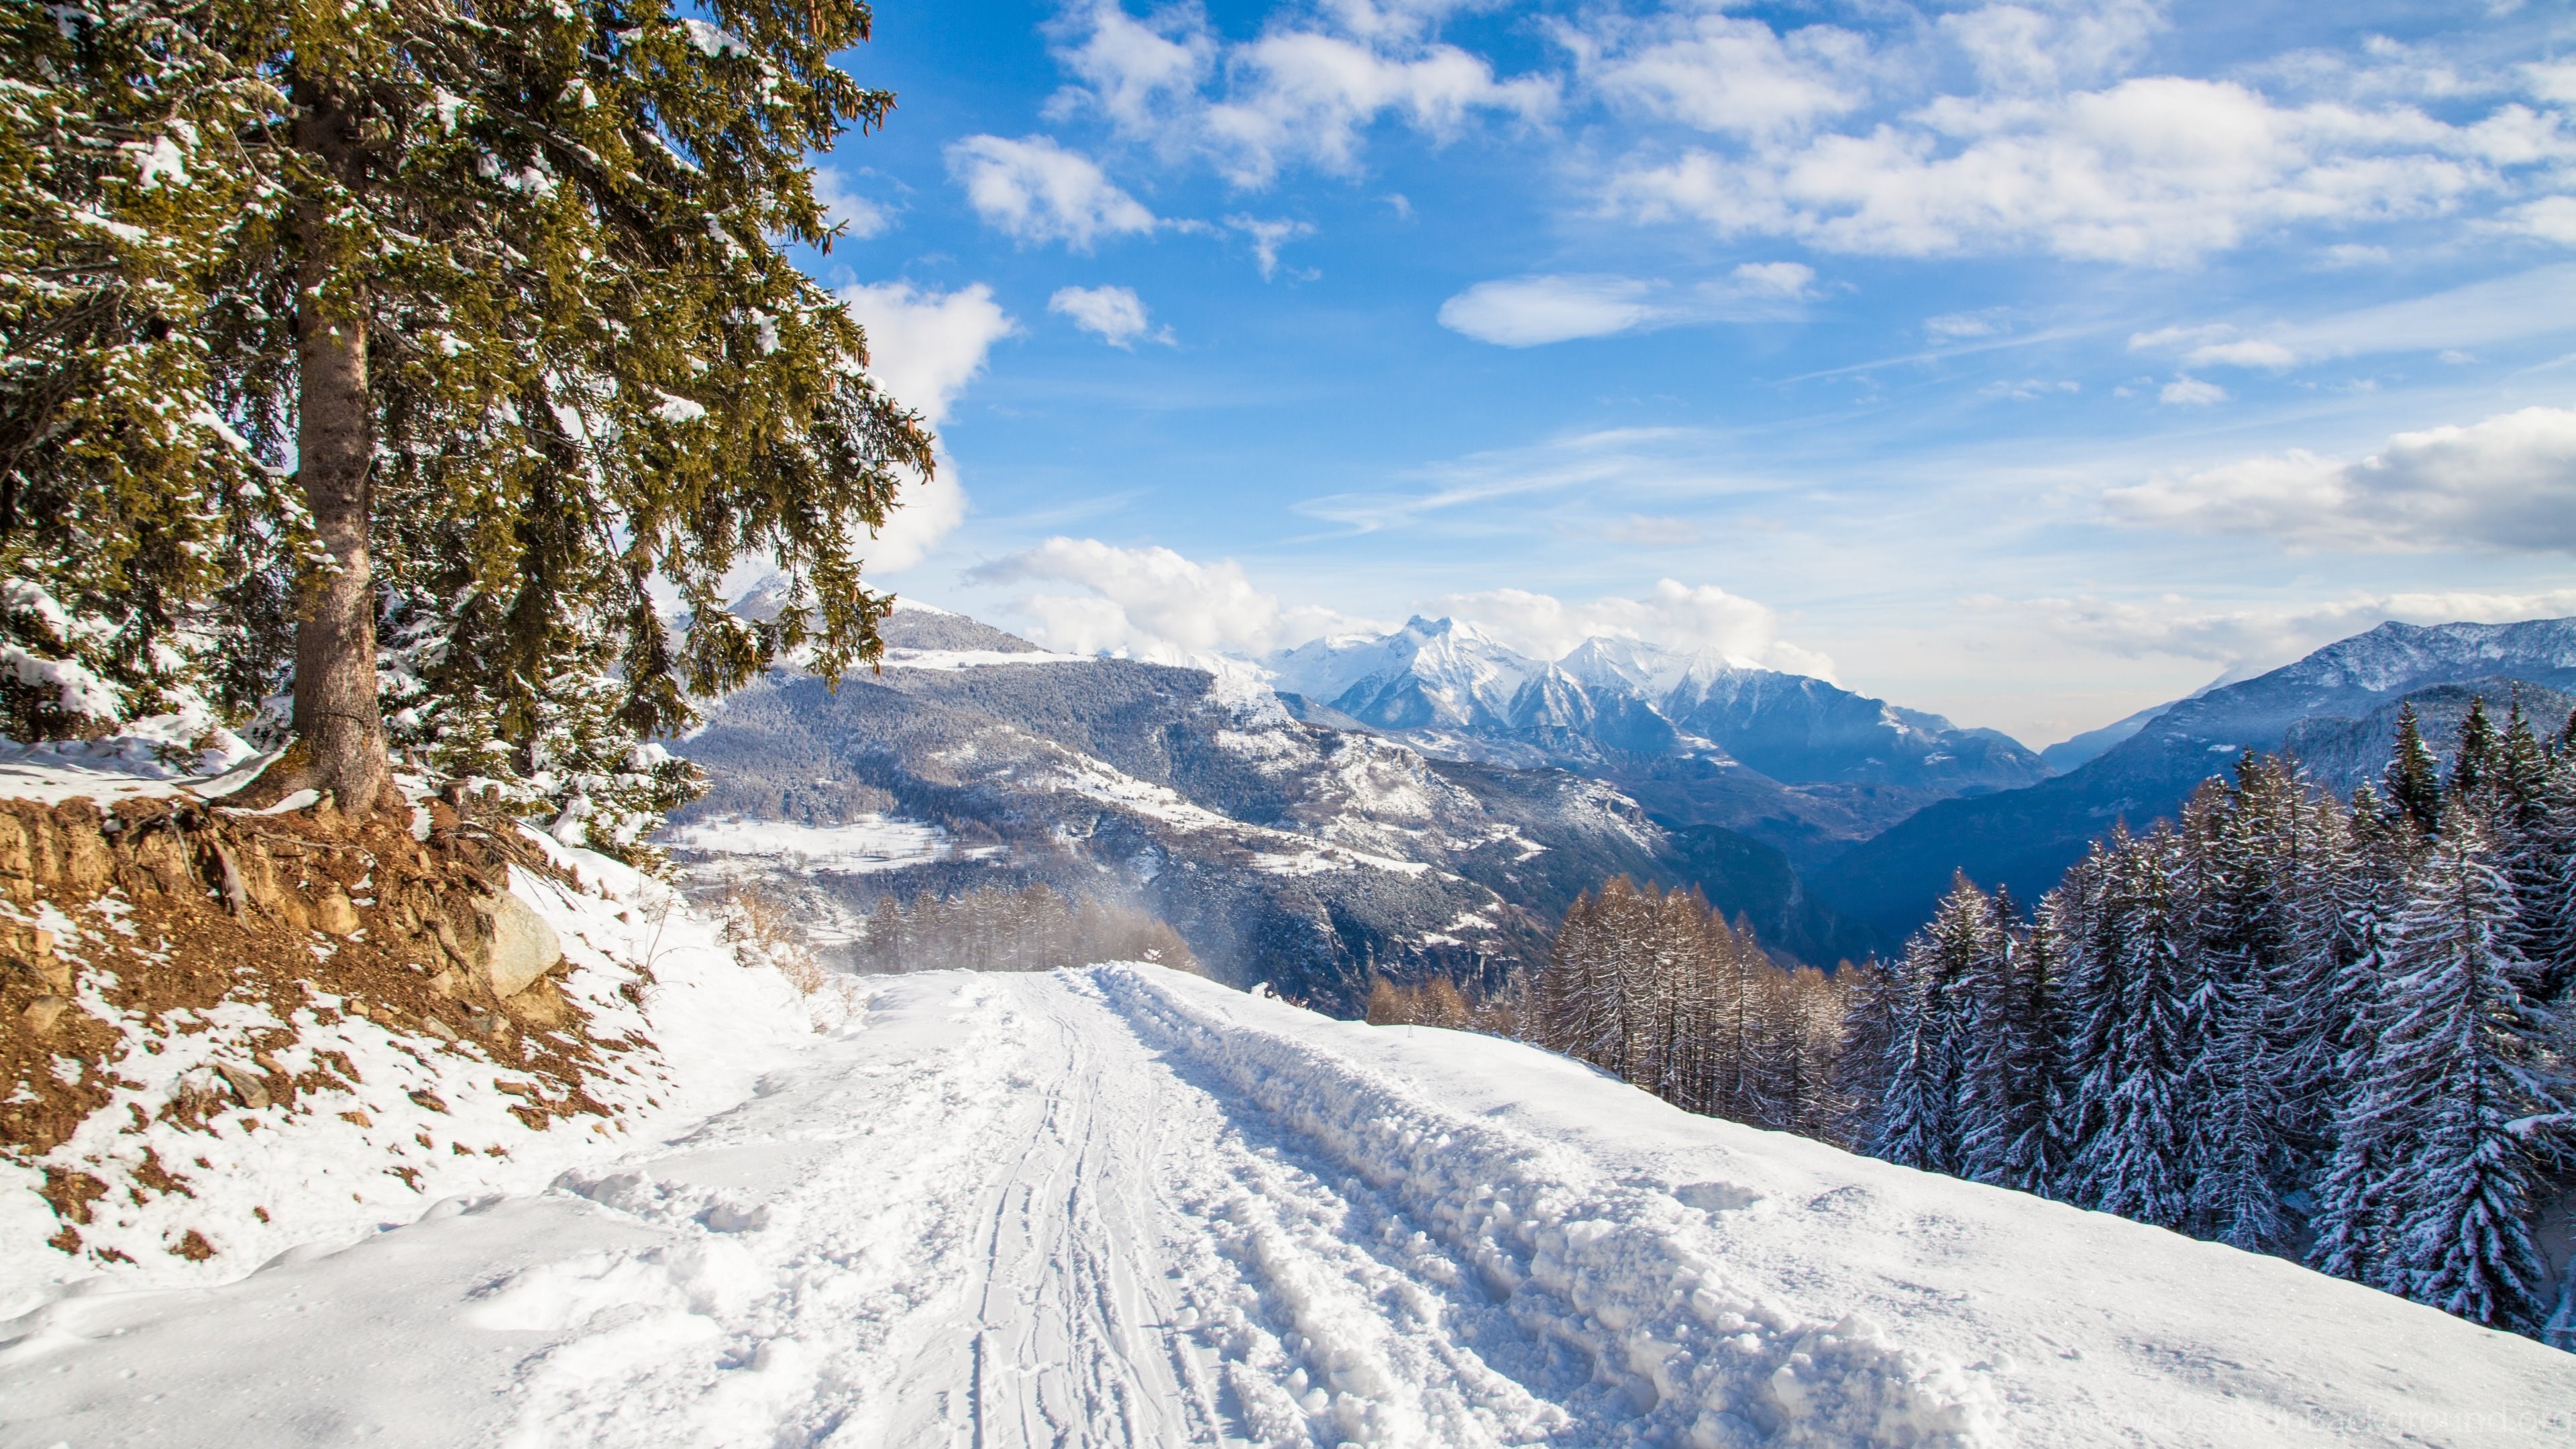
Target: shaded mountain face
x,y
2340,753
2026,838
1796,762
1300,854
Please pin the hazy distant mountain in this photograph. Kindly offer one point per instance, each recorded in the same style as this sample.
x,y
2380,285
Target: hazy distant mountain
x,y
1295,852
2026,838
2340,753
1698,738
2083,749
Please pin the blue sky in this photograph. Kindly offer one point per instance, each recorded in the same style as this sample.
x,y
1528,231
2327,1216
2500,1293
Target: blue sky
x,y
2030,363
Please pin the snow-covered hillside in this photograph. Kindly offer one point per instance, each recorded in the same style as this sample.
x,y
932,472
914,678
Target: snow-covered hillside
x,y
1121,1206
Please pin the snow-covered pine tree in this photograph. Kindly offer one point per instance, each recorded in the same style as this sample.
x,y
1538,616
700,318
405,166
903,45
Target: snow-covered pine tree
x,y
2035,1148
126,503
2241,857
2534,827
508,286
2135,1160
2455,1085
1920,1117
1990,1087
1876,1010
2478,760
2414,777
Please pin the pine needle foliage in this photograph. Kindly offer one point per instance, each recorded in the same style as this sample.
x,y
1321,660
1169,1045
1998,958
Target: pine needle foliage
x,y
552,240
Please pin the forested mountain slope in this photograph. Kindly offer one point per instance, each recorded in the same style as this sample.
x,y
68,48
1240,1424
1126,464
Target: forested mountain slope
x,y
2024,839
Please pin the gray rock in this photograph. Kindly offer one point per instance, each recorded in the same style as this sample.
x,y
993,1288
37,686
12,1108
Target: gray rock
x,y
513,945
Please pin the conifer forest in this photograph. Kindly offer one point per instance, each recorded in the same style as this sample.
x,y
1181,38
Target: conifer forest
x,y
2339,1031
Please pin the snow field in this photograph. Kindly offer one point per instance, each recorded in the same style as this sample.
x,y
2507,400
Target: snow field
x,y
1121,1206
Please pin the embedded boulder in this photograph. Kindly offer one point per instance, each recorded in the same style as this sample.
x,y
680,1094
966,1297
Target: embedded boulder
x,y
509,945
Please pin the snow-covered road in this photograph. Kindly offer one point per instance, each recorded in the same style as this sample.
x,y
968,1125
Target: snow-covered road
x,y
1125,1207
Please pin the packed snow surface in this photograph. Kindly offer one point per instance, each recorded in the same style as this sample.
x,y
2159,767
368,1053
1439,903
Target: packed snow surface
x,y
1122,1206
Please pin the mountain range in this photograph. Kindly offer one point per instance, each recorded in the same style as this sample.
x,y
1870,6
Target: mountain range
x,y
2336,708
1302,853
1430,799
1698,739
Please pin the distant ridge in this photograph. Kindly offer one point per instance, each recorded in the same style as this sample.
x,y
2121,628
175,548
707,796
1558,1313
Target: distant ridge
x,y
2025,838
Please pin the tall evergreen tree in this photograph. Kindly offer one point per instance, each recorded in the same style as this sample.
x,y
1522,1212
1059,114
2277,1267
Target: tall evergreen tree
x,y
2454,1081
2414,778
507,288
1922,1121
2136,1160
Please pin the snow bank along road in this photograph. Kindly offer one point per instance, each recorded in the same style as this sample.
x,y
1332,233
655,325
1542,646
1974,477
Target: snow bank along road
x,y
1122,1206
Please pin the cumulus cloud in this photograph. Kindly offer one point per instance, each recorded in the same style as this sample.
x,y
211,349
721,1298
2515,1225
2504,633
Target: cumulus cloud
x,y
1721,73
924,347
1678,616
1151,603
2191,392
1302,92
1530,311
1114,314
1033,190
2157,170
842,204
2508,482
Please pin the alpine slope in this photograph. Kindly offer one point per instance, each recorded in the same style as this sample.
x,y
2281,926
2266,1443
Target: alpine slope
x,y
1123,1206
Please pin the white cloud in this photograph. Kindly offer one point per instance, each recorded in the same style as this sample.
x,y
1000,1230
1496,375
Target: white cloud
x,y
1675,615
1528,311
1152,603
2508,482
1115,314
843,205
1268,237
2191,392
2499,309
2551,218
1531,311
924,348
1302,95
2156,170
1135,72
1304,91
1720,73
2028,49
1958,326
1034,190
2030,388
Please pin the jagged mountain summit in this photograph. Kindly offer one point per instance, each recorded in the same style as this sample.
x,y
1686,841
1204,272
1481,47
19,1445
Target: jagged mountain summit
x,y
2025,839
1797,762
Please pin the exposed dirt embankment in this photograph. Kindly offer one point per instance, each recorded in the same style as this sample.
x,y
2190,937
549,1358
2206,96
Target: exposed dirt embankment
x,y
161,931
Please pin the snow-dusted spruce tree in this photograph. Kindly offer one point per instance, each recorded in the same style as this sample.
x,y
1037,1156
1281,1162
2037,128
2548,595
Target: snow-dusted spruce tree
x,y
125,503
2241,856
2414,776
1921,1118
2134,1161
2036,1147
505,286
2460,1082
2354,1208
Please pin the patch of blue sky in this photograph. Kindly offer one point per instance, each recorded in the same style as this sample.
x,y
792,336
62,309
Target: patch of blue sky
x,y
2029,362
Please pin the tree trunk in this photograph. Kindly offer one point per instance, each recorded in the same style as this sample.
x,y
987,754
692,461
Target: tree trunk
x,y
340,740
